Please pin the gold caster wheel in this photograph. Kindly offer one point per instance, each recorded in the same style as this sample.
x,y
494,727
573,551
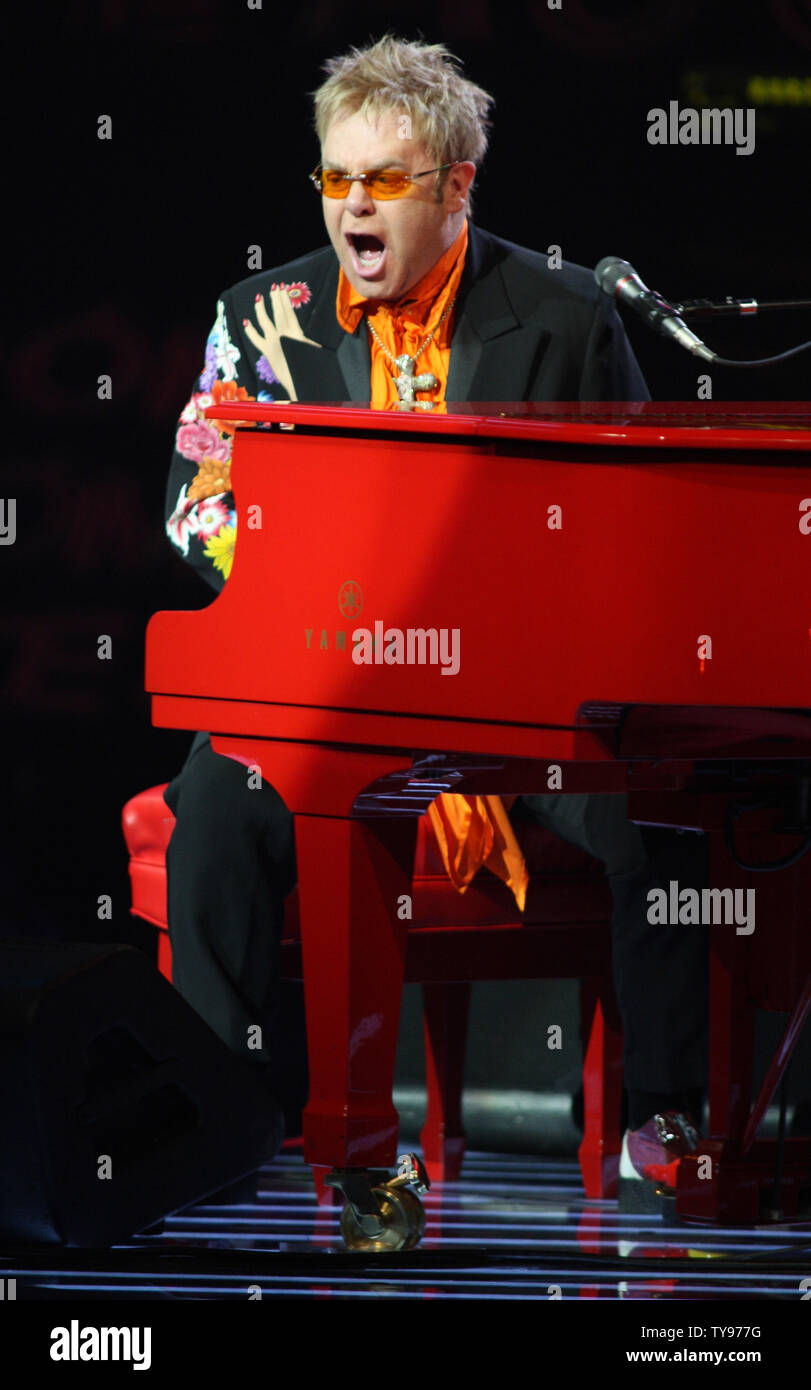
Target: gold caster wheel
x,y
402,1215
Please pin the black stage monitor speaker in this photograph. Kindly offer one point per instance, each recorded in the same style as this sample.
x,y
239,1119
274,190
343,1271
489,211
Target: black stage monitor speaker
x,y
119,1105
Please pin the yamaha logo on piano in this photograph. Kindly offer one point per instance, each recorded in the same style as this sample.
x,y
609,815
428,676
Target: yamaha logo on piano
x,y
350,599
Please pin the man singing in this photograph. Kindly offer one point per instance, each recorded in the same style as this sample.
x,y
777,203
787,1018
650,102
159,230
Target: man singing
x,y
411,305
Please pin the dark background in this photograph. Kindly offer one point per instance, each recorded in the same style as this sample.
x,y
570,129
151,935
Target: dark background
x,y
120,248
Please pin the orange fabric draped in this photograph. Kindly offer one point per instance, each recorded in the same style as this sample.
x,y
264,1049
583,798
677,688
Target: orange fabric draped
x,y
470,830
476,830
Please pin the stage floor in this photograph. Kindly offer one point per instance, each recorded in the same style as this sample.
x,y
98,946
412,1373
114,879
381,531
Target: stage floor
x,y
515,1228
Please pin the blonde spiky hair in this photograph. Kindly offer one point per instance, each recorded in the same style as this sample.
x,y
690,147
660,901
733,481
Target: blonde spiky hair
x,y
448,114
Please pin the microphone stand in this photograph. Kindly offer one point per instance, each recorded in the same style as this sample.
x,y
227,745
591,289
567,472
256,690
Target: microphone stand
x,y
706,309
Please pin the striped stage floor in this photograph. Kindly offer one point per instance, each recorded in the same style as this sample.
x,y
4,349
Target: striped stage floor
x,y
515,1228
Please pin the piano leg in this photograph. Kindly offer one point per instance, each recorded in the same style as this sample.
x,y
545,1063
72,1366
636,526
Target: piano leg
x,y
601,1032
353,877
445,1015
731,1179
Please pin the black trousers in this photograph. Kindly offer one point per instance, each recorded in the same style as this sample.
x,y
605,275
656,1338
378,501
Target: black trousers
x,y
231,863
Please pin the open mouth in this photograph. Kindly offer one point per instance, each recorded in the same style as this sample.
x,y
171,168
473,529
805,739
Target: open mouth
x,y
367,252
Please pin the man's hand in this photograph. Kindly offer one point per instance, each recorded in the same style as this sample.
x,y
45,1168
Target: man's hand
x,y
267,338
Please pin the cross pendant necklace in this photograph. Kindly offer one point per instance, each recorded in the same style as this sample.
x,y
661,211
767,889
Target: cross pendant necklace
x,y
408,382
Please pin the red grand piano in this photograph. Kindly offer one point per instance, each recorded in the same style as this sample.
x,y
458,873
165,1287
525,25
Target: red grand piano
x,y
620,590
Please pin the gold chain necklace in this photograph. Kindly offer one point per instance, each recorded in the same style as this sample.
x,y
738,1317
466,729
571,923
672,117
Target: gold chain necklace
x,y
407,383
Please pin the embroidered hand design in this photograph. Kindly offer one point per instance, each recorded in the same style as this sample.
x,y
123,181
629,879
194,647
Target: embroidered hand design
x,y
267,338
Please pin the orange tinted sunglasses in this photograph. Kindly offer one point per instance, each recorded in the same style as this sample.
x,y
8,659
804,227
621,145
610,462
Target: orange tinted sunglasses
x,y
379,183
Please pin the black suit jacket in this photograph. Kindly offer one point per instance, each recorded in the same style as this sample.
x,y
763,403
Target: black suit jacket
x,y
521,332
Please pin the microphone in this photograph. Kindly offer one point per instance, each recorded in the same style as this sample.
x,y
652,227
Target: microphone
x,y
616,277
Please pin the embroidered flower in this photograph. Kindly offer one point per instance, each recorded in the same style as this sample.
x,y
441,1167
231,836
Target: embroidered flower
x,y
209,373
220,549
211,517
228,391
201,440
182,523
298,291
194,408
224,392
265,372
221,355
212,479
226,354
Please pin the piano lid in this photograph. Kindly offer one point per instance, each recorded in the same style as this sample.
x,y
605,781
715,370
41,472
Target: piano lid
x,y
669,424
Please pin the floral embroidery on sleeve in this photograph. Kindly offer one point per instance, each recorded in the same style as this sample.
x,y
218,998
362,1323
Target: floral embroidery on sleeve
x,y
265,372
212,515
209,443
225,393
221,355
201,440
182,523
220,549
200,510
195,408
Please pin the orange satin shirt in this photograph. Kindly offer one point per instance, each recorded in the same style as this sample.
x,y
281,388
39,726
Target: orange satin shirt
x,y
470,830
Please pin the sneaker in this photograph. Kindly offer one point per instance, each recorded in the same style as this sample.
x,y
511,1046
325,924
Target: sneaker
x,y
649,1162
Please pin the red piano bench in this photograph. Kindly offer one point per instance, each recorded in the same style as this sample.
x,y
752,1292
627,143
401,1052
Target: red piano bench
x,y
453,940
